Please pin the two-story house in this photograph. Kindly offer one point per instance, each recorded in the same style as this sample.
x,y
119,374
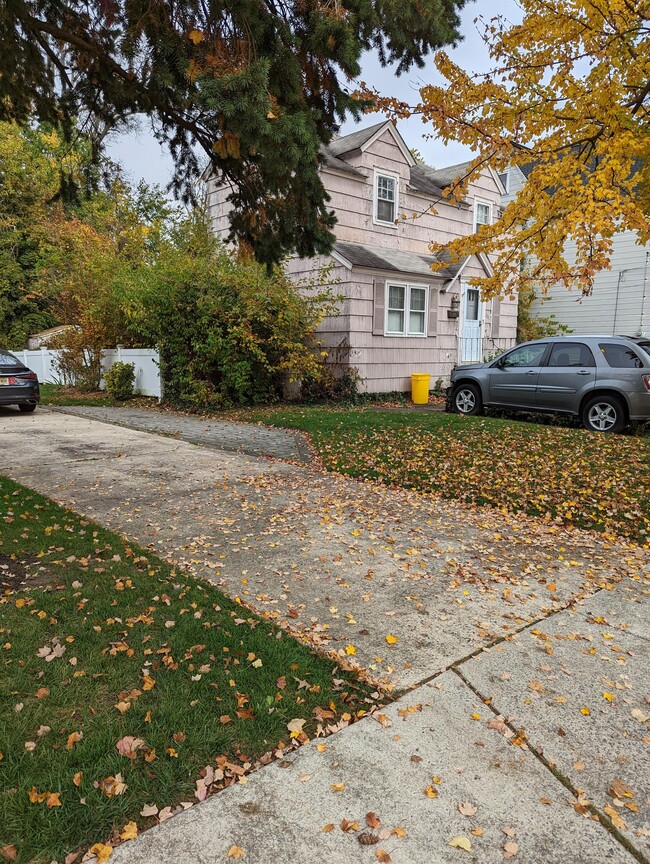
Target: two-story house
x,y
398,316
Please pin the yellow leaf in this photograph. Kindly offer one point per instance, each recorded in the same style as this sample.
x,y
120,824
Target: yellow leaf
x,y
148,683
195,36
350,650
585,711
609,697
461,843
73,738
130,831
430,792
53,799
123,707
78,777
391,639
327,828
102,851
236,852
337,787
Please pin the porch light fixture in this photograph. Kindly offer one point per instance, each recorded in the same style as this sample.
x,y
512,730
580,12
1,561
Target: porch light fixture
x,y
454,309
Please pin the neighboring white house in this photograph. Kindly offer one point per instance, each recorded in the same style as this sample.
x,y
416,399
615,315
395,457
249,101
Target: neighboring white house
x,y
399,317
620,300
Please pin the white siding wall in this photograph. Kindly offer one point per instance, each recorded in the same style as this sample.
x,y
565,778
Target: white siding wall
x,y
614,306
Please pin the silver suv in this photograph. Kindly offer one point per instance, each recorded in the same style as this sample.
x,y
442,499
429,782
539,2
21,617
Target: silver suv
x,y
604,380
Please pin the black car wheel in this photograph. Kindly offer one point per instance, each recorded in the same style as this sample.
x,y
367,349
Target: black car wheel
x,y
604,414
26,409
466,399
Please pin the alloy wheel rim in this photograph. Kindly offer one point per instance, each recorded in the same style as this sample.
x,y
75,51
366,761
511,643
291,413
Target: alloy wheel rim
x,y
465,401
602,416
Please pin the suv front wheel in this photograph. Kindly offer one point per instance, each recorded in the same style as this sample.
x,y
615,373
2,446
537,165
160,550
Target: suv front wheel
x,y
466,399
604,414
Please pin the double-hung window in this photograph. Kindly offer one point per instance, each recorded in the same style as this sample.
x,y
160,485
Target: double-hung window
x,y
385,199
406,310
482,214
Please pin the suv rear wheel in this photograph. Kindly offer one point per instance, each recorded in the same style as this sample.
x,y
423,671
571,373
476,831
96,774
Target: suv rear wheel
x,y
466,399
604,414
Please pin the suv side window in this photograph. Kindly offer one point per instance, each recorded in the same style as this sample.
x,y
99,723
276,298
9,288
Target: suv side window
x,y
571,354
620,356
525,355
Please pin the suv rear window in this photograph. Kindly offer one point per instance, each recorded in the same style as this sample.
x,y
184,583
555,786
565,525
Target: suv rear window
x,y
7,359
571,354
620,356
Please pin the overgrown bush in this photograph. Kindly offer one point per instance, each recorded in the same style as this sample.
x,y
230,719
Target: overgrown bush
x,y
119,381
535,327
227,330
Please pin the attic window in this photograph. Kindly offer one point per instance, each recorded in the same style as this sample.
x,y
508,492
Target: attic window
x,y
482,214
385,198
505,180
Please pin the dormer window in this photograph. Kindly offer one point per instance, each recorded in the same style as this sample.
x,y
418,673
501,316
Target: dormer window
x,y
482,214
385,198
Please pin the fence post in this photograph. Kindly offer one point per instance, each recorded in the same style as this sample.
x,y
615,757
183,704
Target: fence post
x,y
45,354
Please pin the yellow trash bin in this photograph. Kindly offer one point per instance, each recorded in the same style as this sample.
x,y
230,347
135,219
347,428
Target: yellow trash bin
x,y
420,388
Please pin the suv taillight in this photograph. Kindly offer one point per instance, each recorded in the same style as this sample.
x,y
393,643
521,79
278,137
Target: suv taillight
x,y
32,376
646,381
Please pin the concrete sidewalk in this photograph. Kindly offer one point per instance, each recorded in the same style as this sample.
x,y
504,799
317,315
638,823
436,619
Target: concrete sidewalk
x,y
344,564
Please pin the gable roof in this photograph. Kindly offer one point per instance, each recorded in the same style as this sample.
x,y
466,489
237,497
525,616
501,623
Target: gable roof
x,y
363,138
392,260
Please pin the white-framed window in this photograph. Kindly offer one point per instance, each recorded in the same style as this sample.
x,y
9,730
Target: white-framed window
x,y
482,214
505,180
385,198
406,309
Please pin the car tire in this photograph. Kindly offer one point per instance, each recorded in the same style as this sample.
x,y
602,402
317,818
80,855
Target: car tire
x,y
604,414
466,399
26,409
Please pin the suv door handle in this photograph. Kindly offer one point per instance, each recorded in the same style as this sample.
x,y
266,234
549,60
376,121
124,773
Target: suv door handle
x,y
532,372
584,372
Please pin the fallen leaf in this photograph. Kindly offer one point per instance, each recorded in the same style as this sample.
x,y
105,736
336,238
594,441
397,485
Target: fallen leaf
x,y
327,828
78,777
461,843
295,726
348,825
392,640
148,683
639,715
618,789
30,745
372,820
337,787
9,853
102,851
165,814
73,738
130,831
382,856
53,799
467,808
585,711
510,849
350,650
430,792
128,745
149,810
123,707
616,820
236,852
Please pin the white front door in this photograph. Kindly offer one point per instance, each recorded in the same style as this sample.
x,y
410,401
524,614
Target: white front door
x,y
471,342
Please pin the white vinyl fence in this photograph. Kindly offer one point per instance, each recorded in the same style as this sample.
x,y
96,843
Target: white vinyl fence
x,y
145,362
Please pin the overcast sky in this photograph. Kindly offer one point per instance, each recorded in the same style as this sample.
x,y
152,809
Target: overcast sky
x,y
142,156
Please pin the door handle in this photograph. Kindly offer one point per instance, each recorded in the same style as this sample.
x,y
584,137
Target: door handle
x,y
583,372
532,372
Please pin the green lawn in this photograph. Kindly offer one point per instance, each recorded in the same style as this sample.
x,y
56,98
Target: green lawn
x,y
107,642
580,478
54,394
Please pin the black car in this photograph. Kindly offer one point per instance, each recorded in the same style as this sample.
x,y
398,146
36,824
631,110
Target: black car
x,y
18,384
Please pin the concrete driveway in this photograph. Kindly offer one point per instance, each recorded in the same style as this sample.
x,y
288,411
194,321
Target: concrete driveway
x,y
546,626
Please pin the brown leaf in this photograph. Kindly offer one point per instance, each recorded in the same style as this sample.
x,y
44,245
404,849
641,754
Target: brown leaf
x,y
372,820
53,799
78,777
467,808
9,853
327,828
510,849
382,856
347,825
620,790
73,738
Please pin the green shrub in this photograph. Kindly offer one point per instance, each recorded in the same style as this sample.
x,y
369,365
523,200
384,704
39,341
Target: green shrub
x,y
119,380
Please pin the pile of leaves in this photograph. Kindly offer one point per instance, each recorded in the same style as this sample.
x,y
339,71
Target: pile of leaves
x,y
598,482
130,690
